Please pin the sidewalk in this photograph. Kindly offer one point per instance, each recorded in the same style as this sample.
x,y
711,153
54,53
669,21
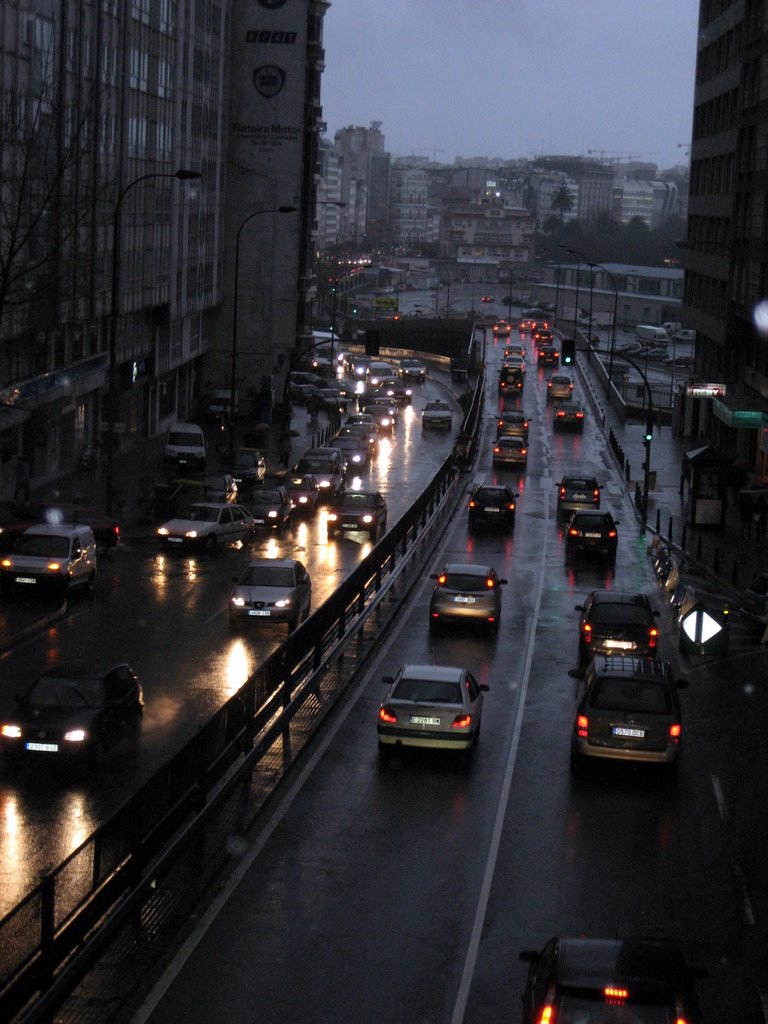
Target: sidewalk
x,y
730,553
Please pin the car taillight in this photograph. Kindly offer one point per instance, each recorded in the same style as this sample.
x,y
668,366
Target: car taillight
x,y
387,715
441,580
582,726
511,505
496,449
560,412
674,732
499,424
579,415
549,385
489,583
547,1015
653,634
461,722
473,504
523,451
573,532
562,492
586,633
612,992
612,533
596,494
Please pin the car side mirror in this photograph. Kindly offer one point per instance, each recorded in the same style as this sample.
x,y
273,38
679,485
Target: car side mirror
x,y
579,607
503,581
484,687
388,680
433,575
576,673
529,956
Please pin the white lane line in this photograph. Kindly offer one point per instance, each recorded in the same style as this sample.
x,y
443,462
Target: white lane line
x,y
720,798
470,962
738,875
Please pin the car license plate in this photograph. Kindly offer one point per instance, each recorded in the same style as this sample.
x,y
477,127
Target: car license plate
x,y
424,720
259,611
25,579
174,540
635,734
620,645
579,497
259,522
46,748
492,508
592,534
464,600
349,524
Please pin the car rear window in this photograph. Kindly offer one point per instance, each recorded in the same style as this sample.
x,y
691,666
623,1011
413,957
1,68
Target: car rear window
x,y
491,494
591,520
465,581
576,484
619,615
359,500
647,695
428,690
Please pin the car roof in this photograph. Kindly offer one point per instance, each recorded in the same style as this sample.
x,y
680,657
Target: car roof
x,y
576,481
652,965
624,665
437,673
511,441
56,529
513,415
618,597
282,563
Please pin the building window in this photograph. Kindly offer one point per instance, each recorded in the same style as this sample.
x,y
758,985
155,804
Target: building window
x,y
139,73
140,10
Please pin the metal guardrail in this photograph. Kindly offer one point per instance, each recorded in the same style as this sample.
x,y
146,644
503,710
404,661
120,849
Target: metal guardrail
x,y
163,846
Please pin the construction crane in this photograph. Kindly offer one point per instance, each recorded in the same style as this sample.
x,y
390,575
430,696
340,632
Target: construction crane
x,y
617,157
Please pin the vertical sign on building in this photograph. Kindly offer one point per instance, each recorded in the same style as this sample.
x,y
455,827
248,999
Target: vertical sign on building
x,y
267,86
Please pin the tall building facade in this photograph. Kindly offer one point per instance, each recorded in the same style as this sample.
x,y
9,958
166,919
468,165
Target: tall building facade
x,y
725,255
153,130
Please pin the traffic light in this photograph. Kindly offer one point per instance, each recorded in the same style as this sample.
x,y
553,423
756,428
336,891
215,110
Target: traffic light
x,y
648,435
568,350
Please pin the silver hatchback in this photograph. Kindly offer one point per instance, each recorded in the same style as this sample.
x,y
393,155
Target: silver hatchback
x,y
466,592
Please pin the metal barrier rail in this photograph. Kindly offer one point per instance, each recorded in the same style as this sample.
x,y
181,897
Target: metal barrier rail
x,y
49,941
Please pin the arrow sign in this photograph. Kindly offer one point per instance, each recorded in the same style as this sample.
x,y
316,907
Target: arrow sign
x,y
704,631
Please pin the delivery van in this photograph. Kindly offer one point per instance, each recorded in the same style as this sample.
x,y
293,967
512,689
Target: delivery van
x,y
185,448
650,335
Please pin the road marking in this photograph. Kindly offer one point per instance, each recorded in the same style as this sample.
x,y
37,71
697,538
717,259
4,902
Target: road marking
x,y
470,962
738,875
720,798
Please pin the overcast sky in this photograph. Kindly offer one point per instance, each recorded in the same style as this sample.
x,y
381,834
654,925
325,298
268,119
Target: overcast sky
x,y
514,78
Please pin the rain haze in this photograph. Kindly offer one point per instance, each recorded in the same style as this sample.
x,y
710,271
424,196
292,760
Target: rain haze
x,y
515,78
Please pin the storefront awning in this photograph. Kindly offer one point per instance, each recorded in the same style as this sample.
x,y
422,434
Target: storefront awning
x,y
748,412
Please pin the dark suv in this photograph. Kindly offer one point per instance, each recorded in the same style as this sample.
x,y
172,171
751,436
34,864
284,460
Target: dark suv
x,y
614,622
628,711
492,504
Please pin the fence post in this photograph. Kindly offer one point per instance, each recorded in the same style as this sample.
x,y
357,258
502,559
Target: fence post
x,y
669,531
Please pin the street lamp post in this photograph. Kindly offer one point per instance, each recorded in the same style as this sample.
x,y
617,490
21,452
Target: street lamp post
x,y
233,363
591,289
183,175
557,293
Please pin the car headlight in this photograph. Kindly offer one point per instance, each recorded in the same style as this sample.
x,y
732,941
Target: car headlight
x,y
191,534
11,732
357,458
162,532
284,602
385,421
238,602
325,483
302,499
75,735
367,518
332,517
272,514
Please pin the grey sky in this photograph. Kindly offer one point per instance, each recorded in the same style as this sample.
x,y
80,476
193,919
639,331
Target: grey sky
x,y
514,78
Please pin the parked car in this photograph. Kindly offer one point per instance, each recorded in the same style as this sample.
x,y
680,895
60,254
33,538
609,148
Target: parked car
x,y
73,714
208,525
569,415
304,492
616,622
628,711
466,592
510,450
577,492
271,590
586,979
357,511
413,370
592,533
272,508
330,400
47,556
437,415
185,449
432,706
492,505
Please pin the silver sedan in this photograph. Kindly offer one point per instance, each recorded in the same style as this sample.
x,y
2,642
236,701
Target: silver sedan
x,y
466,592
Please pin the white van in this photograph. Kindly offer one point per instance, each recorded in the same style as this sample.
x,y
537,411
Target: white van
x,y
50,556
185,447
650,335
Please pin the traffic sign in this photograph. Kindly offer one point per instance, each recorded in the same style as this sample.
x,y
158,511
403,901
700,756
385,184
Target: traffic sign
x,y
704,630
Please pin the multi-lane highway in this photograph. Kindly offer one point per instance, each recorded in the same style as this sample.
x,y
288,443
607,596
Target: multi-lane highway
x,y
404,890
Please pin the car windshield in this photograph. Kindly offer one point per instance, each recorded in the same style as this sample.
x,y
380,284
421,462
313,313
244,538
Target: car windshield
x,y
576,484
269,498
648,695
203,514
353,500
301,483
42,545
314,466
63,692
586,1009
248,459
428,691
184,440
469,582
435,406
268,576
619,615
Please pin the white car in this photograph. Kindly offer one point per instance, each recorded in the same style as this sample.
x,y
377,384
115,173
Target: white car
x,y
413,369
271,590
436,415
208,524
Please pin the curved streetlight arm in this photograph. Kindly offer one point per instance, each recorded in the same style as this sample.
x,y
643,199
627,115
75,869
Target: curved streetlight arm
x,y
235,289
